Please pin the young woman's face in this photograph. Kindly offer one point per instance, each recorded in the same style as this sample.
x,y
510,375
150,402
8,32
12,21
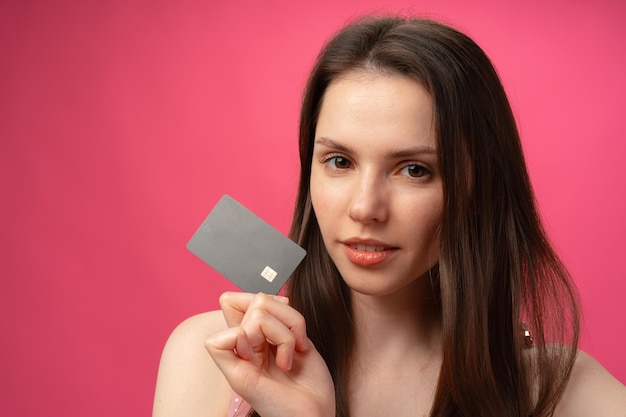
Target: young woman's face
x,y
375,182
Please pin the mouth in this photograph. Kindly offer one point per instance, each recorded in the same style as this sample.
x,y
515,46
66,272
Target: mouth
x,y
368,248
367,253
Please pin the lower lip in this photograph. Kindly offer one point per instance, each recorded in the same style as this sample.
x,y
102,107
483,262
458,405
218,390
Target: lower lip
x,y
367,258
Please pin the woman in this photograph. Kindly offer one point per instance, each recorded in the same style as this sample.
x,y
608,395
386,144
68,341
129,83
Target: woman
x,y
429,287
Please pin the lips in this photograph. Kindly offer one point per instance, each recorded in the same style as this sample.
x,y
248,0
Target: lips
x,y
367,253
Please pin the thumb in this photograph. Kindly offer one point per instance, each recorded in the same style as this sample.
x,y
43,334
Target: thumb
x,y
229,345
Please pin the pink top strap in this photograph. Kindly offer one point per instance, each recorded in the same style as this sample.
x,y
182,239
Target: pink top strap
x,y
238,407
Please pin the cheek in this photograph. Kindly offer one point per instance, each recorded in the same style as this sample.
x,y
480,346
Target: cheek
x,y
429,212
325,211
323,195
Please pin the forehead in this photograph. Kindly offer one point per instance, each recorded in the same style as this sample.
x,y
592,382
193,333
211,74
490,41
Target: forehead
x,y
372,106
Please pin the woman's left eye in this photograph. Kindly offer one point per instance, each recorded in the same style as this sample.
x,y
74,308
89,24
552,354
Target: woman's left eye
x,y
415,171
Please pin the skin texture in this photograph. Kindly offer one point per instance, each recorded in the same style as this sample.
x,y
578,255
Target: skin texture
x,y
374,185
189,382
375,181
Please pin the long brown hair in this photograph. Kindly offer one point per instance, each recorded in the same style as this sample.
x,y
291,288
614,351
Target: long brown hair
x,y
496,267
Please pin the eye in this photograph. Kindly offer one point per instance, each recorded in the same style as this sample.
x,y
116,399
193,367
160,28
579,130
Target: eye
x,y
338,162
415,171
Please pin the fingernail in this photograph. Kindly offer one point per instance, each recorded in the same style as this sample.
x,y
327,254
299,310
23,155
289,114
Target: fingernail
x,y
282,299
217,340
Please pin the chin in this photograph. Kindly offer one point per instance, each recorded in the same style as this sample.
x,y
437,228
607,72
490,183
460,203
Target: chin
x,y
377,282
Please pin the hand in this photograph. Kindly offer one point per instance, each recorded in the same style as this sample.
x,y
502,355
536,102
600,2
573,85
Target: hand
x,y
267,358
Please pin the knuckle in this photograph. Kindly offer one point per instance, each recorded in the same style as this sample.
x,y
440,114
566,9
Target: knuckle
x,y
225,298
299,322
259,300
290,343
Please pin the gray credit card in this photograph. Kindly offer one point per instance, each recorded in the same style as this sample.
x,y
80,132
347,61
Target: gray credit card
x,y
245,249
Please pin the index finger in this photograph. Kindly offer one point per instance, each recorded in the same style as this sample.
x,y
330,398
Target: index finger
x,y
235,305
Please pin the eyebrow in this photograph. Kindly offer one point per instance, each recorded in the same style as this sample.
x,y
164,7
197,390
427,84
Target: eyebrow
x,y
403,153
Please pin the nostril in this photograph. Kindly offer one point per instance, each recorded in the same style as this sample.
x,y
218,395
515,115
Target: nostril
x,y
368,207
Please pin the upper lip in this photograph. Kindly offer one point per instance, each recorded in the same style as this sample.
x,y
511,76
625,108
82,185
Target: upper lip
x,y
353,241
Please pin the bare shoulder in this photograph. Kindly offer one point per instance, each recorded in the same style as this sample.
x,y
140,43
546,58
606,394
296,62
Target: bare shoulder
x,y
189,383
592,392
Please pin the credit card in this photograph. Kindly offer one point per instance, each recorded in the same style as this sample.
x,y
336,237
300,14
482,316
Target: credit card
x,y
245,249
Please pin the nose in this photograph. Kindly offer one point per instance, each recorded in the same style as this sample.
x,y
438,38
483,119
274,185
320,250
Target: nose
x,y
369,201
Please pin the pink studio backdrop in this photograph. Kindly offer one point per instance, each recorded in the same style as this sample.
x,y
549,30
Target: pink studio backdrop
x,y
123,122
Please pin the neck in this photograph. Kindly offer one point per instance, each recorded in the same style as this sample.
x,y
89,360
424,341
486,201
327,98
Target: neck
x,y
391,326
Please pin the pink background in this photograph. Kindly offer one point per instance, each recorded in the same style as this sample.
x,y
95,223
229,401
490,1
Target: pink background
x,y
123,122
